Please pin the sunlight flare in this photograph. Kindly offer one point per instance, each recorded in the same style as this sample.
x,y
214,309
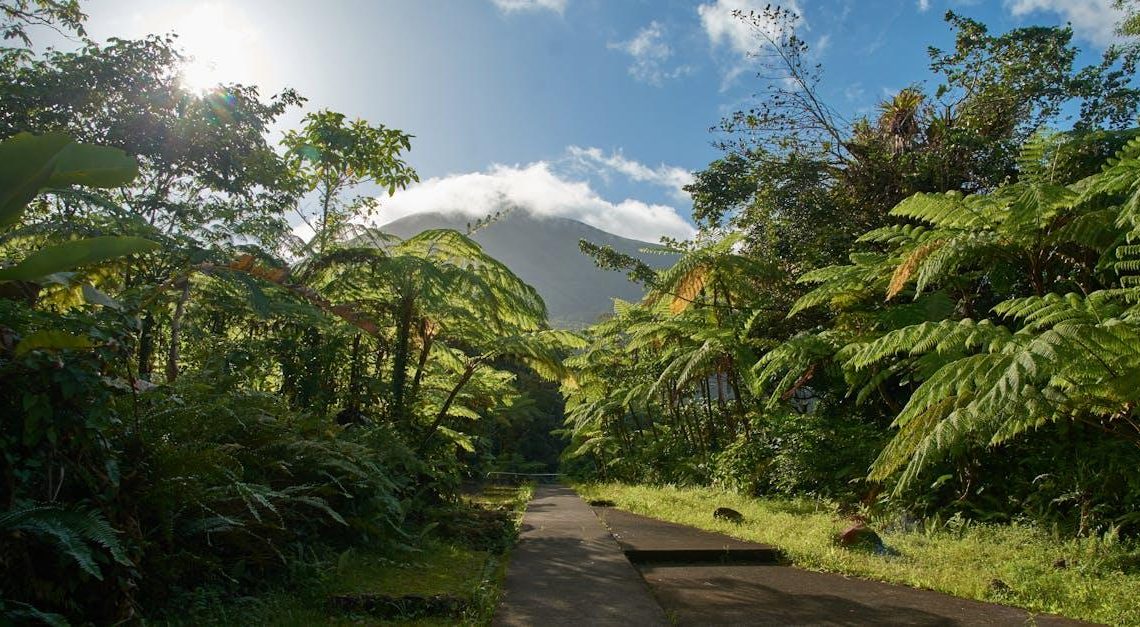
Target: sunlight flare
x,y
222,46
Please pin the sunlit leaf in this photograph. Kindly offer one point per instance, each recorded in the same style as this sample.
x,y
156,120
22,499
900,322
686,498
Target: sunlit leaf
x,y
73,254
51,340
30,163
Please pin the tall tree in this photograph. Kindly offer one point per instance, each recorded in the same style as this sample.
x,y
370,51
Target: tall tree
x,y
333,156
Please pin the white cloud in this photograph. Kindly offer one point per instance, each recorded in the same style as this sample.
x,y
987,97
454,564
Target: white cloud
x,y
650,53
670,177
923,5
740,36
513,6
303,231
821,45
722,27
1093,20
538,189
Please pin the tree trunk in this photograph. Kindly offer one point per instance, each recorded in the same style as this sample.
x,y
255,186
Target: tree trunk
x,y
354,375
400,358
737,394
176,332
721,390
378,366
637,422
442,415
712,434
146,346
326,206
425,350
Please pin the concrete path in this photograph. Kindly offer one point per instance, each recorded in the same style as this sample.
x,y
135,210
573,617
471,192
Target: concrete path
x,y
651,541
568,570
769,594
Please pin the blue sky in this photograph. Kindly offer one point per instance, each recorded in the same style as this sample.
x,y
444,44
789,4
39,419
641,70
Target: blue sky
x,y
592,109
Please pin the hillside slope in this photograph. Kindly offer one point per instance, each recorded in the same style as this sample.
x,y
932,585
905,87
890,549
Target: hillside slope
x,y
543,251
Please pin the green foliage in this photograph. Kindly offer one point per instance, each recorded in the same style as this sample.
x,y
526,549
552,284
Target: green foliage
x,y
69,255
251,480
917,311
74,532
331,156
940,285
19,14
29,164
312,398
1045,356
206,169
452,559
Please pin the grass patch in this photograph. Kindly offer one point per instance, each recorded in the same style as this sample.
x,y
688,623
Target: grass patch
x,y
1100,580
438,566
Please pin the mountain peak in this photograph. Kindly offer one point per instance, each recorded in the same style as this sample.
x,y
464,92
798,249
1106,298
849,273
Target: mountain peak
x,y
543,251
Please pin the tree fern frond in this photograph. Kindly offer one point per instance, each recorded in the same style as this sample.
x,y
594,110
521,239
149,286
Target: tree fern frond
x,y
946,336
1095,230
1041,312
779,370
895,234
74,531
949,210
905,270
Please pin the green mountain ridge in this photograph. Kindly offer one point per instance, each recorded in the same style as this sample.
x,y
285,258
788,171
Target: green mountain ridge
x,y
543,251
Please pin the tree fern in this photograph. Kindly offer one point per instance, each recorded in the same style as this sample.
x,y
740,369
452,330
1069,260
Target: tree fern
x,y
1046,355
789,366
73,531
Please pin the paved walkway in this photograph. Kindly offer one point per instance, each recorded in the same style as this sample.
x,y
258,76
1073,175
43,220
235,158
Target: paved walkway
x,y
651,541
770,594
568,570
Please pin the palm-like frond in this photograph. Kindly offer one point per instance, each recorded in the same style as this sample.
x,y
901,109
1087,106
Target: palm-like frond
x,y
75,532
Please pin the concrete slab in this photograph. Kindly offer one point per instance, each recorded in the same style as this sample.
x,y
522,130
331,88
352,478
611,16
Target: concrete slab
x,y
648,540
755,594
568,570
781,595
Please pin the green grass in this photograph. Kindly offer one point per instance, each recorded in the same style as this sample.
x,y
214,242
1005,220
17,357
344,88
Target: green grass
x,y
1101,582
437,568
434,568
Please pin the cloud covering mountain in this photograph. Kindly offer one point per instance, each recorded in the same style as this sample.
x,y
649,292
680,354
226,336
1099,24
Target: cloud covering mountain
x,y
542,189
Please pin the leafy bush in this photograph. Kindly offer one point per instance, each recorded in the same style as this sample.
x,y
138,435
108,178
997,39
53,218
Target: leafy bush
x,y
232,482
796,454
60,471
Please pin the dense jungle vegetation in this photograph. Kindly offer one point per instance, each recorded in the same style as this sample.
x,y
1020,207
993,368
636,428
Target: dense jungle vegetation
x,y
930,311
195,402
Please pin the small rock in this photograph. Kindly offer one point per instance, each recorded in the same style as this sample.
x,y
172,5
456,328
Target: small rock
x,y
859,535
1061,563
729,514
